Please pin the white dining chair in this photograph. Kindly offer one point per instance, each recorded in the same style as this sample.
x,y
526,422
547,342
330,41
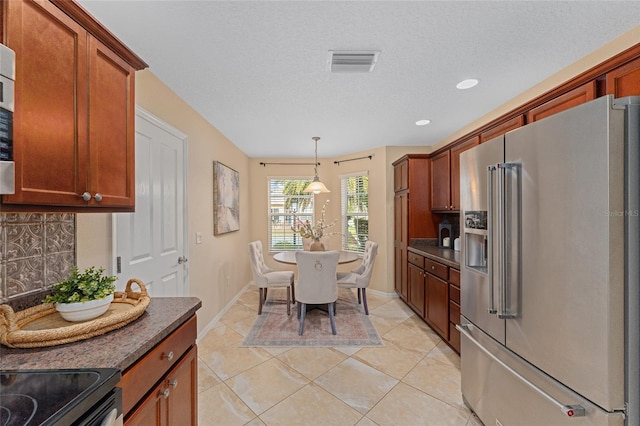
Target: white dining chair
x,y
360,277
316,283
265,277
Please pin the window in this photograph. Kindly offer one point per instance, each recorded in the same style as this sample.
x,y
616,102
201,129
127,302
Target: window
x,y
355,211
286,197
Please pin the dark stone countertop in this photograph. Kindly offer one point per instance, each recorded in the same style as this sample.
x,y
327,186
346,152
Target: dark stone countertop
x,y
427,249
116,349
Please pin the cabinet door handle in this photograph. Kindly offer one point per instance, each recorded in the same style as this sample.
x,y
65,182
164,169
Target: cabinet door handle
x,y
173,383
165,393
86,196
168,356
98,197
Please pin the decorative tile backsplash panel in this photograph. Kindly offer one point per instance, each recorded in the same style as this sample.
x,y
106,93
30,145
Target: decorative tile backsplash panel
x,y
36,251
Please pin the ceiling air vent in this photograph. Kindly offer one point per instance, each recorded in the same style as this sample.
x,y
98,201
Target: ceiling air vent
x,y
352,60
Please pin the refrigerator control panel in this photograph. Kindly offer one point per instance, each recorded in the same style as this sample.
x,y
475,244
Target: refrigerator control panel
x,y
475,220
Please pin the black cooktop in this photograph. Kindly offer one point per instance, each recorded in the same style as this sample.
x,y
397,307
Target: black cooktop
x,y
48,397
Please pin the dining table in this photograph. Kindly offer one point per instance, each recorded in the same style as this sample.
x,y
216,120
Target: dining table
x,y
290,257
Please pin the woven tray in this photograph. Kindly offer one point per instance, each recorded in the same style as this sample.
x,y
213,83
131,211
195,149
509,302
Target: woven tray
x,y
42,325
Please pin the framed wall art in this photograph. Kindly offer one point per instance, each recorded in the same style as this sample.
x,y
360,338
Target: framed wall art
x,y
226,199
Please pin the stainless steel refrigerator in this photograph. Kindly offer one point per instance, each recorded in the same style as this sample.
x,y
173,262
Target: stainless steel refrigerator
x,y
549,270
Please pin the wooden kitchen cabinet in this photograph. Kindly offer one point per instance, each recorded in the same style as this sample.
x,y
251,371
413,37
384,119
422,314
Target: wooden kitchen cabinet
x,y
573,98
400,243
438,305
416,283
401,176
441,181
502,128
454,308
74,114
434,294
161,388
173,400
437,300
412,214
624,80
445,177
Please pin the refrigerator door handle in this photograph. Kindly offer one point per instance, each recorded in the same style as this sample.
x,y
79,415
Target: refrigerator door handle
x,y
501,240
489,255
506,259
574,410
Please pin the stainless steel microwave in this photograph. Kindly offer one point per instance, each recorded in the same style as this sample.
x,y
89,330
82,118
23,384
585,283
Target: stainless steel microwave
x,y
7,77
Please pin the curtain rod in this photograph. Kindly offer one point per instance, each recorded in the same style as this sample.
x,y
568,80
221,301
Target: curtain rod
x,y
287,164
352,159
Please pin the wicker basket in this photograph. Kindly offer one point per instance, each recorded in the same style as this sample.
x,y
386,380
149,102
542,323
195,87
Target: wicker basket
x,y
42,325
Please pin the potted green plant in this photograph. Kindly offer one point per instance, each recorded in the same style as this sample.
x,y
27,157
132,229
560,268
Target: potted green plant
x,y
84,295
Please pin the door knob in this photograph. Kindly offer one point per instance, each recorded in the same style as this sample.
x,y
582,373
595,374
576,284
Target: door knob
x,y
182,260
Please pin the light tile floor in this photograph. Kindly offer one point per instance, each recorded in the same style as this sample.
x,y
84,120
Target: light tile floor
x,y
413,380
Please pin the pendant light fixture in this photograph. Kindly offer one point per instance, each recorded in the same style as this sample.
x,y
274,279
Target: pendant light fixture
x,y
316,186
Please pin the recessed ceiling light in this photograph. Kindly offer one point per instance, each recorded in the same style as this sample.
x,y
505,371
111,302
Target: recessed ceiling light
x,y
422,122
467,84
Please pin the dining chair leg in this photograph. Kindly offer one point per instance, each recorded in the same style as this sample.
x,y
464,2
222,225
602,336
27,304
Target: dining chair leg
x,y
288,302
364,301
293,293
303,309
332,319
359,300
260,301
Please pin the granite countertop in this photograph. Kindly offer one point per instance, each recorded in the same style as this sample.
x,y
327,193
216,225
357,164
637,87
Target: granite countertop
x,y
427,248
116,349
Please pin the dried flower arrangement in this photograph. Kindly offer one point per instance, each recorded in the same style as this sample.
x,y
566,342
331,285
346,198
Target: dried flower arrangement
x,y
315,232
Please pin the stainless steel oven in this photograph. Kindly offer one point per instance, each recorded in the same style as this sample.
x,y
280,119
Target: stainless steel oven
x,y
7,77
79,397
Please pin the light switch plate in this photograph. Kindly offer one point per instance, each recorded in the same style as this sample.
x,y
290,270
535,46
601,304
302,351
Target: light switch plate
x,y
198,237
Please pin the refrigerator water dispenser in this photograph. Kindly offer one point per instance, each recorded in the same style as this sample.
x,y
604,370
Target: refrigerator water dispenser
x,y
475,251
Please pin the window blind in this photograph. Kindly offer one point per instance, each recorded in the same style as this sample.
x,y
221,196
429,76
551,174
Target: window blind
x,y
286,202
355,211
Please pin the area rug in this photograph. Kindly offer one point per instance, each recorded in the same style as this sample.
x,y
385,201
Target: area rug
x,y
275,328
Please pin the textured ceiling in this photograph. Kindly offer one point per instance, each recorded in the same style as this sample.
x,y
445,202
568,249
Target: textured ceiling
x,y
257,70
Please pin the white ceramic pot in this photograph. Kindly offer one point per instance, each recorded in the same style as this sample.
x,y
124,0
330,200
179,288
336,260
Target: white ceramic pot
x,y
83,311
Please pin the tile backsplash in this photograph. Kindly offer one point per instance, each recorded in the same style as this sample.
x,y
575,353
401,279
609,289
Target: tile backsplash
x,y
36,251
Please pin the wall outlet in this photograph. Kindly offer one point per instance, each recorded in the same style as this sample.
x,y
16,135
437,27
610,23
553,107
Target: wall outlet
x,y
198,237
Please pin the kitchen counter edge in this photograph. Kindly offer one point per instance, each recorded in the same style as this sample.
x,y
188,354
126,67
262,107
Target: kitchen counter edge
x,y
116,349
446,256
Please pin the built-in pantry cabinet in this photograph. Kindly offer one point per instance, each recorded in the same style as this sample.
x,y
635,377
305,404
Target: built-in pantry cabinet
x,y
74,110
412,213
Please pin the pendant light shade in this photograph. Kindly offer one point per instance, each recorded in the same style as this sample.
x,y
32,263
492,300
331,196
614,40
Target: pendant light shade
x,y
316,186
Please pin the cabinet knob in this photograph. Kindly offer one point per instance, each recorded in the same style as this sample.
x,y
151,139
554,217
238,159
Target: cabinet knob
x,y
165,393
86,196
168,356
173,383
98,197
433,267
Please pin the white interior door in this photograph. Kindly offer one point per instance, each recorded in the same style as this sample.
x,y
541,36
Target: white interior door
x,y
151,243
